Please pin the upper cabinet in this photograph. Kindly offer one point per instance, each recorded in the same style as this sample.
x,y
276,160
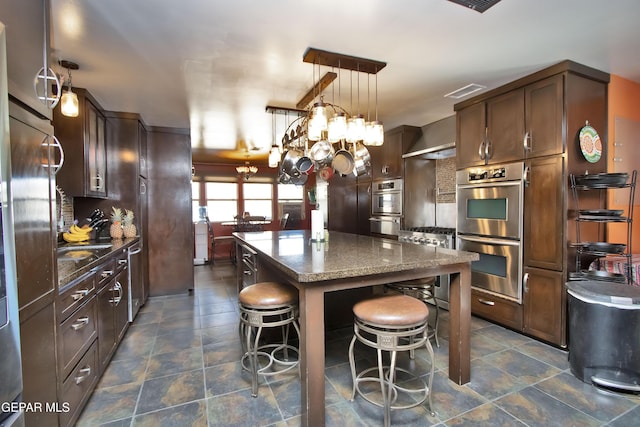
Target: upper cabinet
x,y
386,160
28,53
522,123
84,173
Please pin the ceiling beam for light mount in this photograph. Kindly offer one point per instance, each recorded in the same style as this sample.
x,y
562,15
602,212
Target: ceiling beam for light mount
x,y
316,89
345,62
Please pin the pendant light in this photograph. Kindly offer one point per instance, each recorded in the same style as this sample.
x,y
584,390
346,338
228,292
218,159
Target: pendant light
x,y
274,153
337,128
375,130
69,105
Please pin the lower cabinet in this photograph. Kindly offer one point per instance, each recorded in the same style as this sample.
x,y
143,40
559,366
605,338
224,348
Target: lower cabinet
x,y
113,315
544,302
500,310
92,318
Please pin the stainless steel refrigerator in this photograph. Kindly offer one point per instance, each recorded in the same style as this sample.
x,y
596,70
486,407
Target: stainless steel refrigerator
x,y
11,413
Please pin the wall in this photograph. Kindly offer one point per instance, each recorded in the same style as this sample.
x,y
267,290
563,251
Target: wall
x,y
624,101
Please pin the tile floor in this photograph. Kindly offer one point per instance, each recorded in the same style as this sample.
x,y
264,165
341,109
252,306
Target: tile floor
x,y
178,365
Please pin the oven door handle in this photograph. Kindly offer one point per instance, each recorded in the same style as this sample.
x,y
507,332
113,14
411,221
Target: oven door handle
x,y
385,219
489,240
512,183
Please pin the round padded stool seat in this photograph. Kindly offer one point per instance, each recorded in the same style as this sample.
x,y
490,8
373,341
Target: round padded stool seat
x,y
393,310
267,305
268,294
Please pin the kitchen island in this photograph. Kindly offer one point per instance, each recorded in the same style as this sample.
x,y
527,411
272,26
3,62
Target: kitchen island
x,y
348,261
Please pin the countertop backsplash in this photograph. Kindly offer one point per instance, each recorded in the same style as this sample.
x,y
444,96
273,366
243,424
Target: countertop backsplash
x,y
446,180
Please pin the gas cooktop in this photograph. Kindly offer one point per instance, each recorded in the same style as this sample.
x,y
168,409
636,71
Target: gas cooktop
x,y
432,236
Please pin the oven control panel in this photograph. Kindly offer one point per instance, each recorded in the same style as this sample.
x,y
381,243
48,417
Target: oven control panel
x,y
510,172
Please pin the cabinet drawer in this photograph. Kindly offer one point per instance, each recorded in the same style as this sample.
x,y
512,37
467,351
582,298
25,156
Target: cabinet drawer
x,y
499,310
77,387
105,272
77,333
121,260
75,295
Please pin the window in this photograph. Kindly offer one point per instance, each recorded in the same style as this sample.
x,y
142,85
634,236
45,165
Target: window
x,y
257,199
195,201
222,200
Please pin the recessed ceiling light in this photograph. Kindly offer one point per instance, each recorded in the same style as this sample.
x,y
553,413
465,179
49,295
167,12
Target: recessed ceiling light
x,y
477,5
465,91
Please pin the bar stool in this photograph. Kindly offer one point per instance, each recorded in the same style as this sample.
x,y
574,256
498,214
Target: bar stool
x,y
267,305
392,323
424,290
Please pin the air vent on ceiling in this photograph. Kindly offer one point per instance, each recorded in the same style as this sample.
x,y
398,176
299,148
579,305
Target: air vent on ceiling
x,y
477,5
465,91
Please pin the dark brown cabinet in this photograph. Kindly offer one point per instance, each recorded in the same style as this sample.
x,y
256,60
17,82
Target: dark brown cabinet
x,y
491,131
537,119
83,138
386,160
544,304
112,307
543,108
544,204
522,123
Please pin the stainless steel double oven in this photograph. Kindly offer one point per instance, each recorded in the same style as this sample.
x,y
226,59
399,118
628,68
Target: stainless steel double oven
x,y
490,223
386,207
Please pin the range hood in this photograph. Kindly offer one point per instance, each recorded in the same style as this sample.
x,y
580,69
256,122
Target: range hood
x,y
438,141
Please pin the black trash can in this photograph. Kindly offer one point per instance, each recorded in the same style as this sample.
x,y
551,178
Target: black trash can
x,y
604,334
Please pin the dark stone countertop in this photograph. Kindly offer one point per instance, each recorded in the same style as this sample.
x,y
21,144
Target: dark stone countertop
x,y
345,255
70,268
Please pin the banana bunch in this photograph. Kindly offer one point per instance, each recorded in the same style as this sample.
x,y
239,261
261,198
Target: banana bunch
x,y
77,234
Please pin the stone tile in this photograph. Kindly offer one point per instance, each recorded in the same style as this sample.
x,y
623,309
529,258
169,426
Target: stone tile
x,y
287,394
124,372
521,366
230,377
219,319
487,415
538,409
482,345
451,399
601,405
240,409
504,336
177,340
630,419
491,382
171,390
119,423
546,353
148,317
134,348
220,353
109,404
192,414
217,308
175,362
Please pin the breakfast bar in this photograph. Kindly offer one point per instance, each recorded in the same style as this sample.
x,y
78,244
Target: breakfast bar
x,y
348,261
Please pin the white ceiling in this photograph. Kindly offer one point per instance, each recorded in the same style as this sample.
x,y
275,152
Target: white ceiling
x,y
214,65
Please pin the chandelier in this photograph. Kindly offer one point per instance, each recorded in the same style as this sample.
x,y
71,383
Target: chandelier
x,y
246,170
307,144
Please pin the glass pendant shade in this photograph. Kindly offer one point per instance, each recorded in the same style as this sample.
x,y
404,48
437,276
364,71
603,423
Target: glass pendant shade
x,y
69,104
337,127
375,134
274,156
317,121
356,128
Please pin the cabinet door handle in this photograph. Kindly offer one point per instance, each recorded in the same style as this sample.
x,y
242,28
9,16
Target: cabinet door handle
x,y
56,144
44,76
143,188
80,323
106,274
488,150
122,262
525,282
525,175
486,302
526,142
79,294
86,371
481,150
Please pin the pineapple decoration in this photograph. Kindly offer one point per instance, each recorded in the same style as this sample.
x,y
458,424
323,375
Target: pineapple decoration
x,y
116,223
129,227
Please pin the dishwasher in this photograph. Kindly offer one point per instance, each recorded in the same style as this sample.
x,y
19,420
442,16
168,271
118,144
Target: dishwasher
x,y
134,256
